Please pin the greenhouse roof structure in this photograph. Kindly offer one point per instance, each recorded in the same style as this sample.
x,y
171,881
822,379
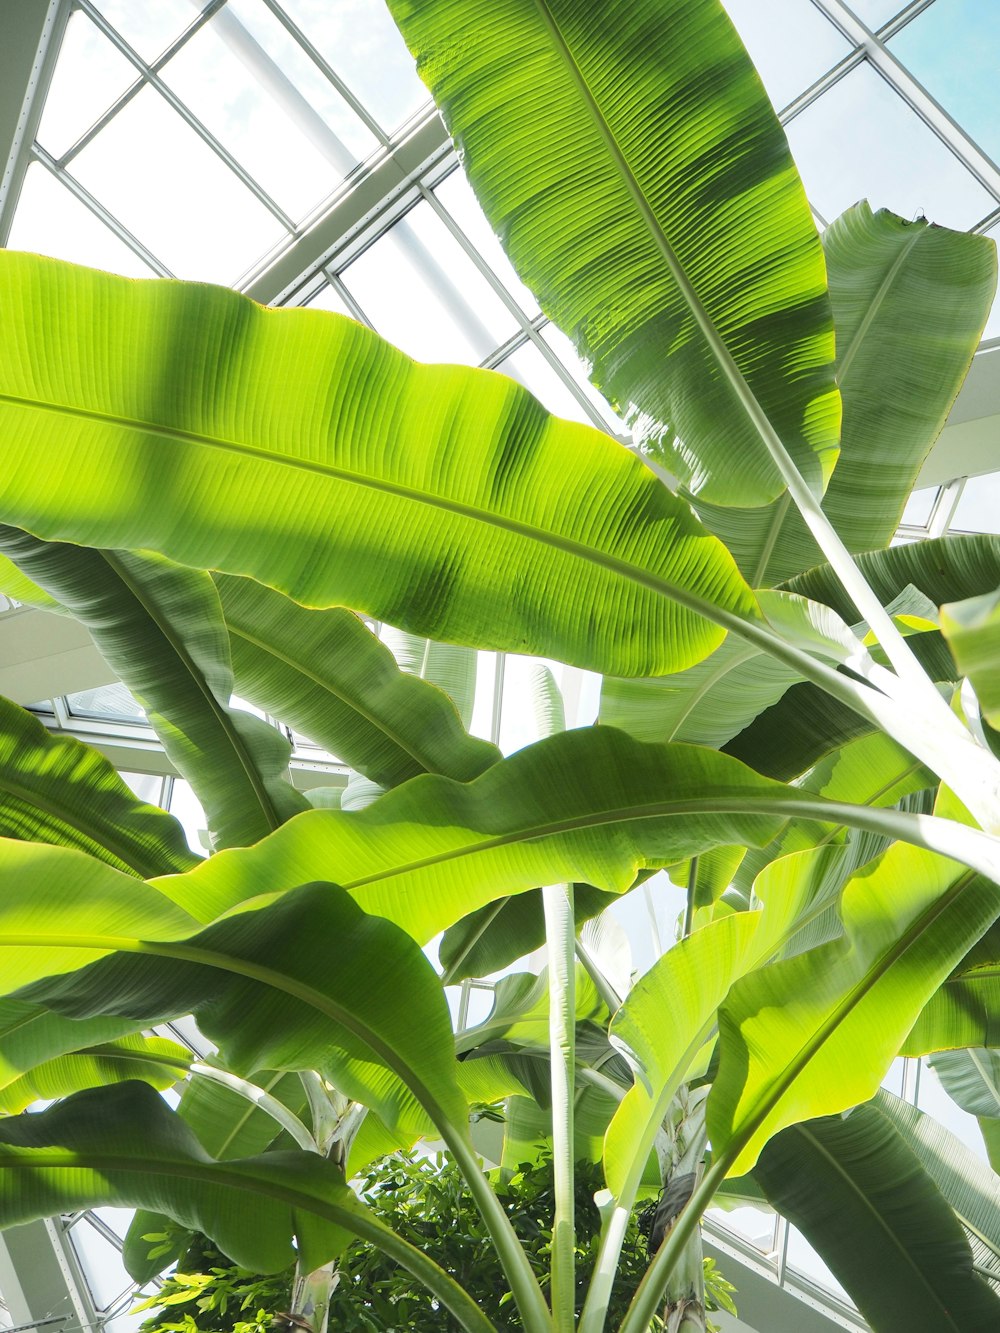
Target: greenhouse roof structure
x,y
287,149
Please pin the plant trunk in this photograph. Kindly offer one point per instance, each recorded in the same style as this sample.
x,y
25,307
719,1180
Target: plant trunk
x,y
336,1120
311,1293
680,1149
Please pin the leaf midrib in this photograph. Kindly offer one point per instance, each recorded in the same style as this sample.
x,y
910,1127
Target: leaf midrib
x,y
881,1221
633,573
773,1091
247,970
327,686
860,333
223,717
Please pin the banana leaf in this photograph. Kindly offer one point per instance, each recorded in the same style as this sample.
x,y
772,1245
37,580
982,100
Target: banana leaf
x,y
161,630
57,790
653,208
859,1193
909,303
327,676
440,499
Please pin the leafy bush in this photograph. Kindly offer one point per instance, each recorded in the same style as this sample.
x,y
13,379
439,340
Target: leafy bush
x,y
425,1200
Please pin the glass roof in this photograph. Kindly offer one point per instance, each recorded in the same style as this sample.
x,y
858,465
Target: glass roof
x,y
205,140
199,140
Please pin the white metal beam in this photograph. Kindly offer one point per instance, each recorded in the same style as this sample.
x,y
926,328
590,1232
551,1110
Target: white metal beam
x,y
32,32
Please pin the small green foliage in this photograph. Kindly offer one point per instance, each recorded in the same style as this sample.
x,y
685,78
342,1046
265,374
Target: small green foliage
x,y
210,1294
425,1200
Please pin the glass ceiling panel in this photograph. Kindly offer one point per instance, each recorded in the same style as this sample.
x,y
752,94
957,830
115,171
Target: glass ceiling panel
x,y
791,44
918,508
529,367
361,43
953,48
253,87
876,12
450,311
101,1262
175,194
861,140
89,76
457,196
52,221
149,28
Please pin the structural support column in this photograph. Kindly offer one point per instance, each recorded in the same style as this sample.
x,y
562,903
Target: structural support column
x,y
32,32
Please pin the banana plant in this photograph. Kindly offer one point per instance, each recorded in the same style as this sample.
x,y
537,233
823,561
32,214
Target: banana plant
x,y
220,493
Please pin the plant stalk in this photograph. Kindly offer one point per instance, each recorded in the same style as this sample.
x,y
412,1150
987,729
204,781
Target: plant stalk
x,y
560,936
649,1293
311,1294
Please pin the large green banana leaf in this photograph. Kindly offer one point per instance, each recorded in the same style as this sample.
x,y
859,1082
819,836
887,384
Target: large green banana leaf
x,y
946,569
958,1172
123,1147
297,447
972,1079
501,932
55,789
859,1193
229,1125
591,804
520,1011
127,1058
871,770
451,668
807,723
815,1033
630,161
32,1036
972,628
325,674
713,701
160,628
965,1011
909,303
310,982
688,983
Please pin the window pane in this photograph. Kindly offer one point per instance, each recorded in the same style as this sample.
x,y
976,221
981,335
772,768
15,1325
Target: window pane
x,y
51,221
90,75
860,140
359,40
978,509
186,807
148,29
791,44
423,293
529,367
101,1263
250,84
804,1259
567,354
106,702
456,194
918,508
174,194
147,786
753,1224
327,298
953,48
933,1099
876,12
